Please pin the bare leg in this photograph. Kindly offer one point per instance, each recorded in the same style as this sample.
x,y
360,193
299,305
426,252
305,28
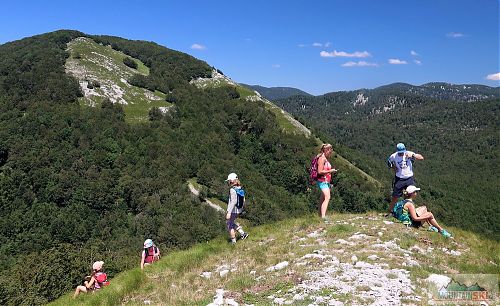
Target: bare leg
x,y
325,198
239,229
434,222
79,289
321,199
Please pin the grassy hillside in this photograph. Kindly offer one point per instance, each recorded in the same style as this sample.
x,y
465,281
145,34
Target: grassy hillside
x,y
102,74
353,259
289,125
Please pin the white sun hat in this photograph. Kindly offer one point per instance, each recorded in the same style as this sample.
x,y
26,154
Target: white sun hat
x,y
97,265
411,189
232,177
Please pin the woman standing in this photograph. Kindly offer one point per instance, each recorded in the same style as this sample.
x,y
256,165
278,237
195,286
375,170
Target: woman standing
x,y
324,177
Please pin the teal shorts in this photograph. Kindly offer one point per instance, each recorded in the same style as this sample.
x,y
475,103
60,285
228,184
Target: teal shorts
x,y
323,185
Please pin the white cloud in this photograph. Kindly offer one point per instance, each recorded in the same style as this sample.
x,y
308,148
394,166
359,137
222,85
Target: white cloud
x,y
417,62
455,35
336,53
359,64
414,53
198,47
328,44
302,45
493,77
396,61
276,66
317,44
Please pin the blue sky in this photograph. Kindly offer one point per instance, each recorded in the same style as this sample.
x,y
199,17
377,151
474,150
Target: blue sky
x,y
316,46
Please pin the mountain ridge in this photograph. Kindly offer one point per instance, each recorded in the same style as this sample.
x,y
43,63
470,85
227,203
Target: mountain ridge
x,y
274,93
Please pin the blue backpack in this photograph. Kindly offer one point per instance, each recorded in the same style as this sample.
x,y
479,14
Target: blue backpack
x,y
397,212
240,194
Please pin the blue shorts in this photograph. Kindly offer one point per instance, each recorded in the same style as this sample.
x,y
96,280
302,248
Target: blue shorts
x,y
323,185
231,223
400,184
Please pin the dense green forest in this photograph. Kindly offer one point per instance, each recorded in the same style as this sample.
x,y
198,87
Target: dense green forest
x,y
79,184
459,141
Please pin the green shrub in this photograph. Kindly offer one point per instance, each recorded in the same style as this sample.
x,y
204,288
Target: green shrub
x,y
129,62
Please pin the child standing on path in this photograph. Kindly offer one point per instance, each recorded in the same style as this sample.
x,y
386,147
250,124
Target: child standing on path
x,y
235,207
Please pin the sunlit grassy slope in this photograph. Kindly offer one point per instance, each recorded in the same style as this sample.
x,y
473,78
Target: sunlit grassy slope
x,y
284,120
315,254
102,74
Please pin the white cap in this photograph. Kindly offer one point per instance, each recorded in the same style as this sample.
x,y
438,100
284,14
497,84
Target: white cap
x,y
232,177
97,265
148,243
411,189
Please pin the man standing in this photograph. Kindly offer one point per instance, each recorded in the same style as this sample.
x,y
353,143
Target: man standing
x,y
401,162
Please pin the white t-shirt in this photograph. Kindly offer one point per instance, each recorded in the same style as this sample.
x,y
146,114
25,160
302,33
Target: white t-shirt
x,y
404,167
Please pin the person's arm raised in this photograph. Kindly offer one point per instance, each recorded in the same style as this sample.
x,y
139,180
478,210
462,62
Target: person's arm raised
x,y
416,156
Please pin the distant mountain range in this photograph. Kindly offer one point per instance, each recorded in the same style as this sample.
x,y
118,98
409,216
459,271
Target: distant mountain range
x,y
274,93
445,91
387,98
436,90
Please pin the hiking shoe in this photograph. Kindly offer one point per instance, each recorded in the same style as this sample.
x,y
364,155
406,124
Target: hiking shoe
x,y
432,228
244,236
445,233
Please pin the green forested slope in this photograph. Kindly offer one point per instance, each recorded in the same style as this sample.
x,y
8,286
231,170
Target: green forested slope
x,y
459,141
79,183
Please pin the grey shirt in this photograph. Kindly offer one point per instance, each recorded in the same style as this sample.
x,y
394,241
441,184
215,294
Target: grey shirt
x,y
233,199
